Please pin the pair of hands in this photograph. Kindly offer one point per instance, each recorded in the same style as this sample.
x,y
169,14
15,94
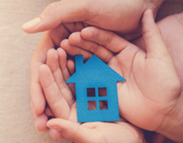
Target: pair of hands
x,y
136,97
65,17
62,105
65,11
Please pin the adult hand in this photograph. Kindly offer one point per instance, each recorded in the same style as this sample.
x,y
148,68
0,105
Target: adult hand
x,y
60,19
118,15
173,41
151,94
61,101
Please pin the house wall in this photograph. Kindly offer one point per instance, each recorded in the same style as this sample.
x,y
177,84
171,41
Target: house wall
x,y
111,114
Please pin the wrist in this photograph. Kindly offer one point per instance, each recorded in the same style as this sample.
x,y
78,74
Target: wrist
x,y
172,126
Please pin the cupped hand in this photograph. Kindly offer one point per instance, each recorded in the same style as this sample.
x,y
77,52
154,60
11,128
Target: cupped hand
x,y
152,88
173,41
49,40
62,107
64,17
118,15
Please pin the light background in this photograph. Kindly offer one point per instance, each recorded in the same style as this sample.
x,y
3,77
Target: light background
x,y
16,49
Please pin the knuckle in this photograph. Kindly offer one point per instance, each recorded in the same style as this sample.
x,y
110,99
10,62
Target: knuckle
x,y
63,85
108,57
51,6
176,87
109,39
50,9
94,48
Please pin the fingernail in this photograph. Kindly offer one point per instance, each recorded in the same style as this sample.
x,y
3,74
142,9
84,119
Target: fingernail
x,y
55,128
32,23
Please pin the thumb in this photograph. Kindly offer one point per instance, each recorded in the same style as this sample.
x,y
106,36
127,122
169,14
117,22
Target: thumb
x,y
57,13
73,131
154,43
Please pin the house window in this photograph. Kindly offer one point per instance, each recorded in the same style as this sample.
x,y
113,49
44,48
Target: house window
x,y
102,92
92,105
97,99
90,92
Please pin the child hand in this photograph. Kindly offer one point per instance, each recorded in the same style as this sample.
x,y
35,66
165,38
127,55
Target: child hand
x,y
54,73
152,88
63,17
62,104
49,40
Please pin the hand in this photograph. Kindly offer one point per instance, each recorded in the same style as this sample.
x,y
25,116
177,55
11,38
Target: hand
x,y
175,48
173,41
62,18
49,40
98,13
152,88
61,101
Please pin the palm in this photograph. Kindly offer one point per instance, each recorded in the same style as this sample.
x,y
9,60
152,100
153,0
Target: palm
x,y
143,94
50,39
152,85
174,48
62,103
99,131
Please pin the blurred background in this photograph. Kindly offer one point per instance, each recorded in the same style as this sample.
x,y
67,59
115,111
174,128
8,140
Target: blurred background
x,y
16,49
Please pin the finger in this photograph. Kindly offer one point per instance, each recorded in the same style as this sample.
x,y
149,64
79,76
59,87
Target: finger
x,y
64,11
71,66
63,63
65,89
111,41
37,98
55,100
62,31
75,39
155,45
48,112
38,102
74,26
73,50
40,122
54,64
73,113
55,134
73,131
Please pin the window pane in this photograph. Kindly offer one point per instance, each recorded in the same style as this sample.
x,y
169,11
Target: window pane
x,y
102,92
91,92
103,104
92,105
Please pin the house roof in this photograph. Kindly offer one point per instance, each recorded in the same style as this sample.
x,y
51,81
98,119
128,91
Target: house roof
x,y
93,70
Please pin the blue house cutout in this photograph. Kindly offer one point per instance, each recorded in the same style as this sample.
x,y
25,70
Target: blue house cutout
x,y
96,85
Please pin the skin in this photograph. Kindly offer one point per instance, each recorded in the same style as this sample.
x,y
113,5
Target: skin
x,y
173,125
62,18
143,94
62,104
90,13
